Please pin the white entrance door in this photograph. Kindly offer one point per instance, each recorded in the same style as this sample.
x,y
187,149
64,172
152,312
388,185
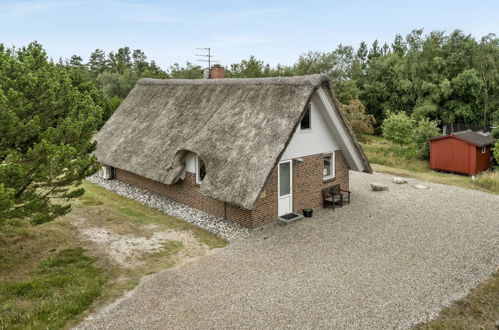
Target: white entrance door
x,y
285,178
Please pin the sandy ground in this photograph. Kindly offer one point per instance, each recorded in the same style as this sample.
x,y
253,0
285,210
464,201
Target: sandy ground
x,y
390,259
127,250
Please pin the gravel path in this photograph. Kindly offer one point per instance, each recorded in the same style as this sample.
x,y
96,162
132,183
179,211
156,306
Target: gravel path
x,y
391,259
225,229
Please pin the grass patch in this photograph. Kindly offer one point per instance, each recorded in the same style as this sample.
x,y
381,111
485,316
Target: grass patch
x,y
48,277
117,209
164,258
389,158
62,286
381,151
478,310
488,180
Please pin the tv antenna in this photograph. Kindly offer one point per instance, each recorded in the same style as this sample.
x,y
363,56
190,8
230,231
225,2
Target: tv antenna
x,y
208,55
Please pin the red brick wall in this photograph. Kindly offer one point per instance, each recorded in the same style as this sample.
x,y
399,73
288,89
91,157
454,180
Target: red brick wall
x,y
217,72
307,185
266,208
308,180
187,192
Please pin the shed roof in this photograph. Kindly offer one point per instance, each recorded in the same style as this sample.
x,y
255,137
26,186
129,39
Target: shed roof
x,y
239,127
469,136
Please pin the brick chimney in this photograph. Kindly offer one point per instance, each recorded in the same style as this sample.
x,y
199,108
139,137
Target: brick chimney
x,y
217,72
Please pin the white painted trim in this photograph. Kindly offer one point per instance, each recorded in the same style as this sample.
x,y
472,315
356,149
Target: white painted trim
x,y
333,165
344,135
198,179
290,161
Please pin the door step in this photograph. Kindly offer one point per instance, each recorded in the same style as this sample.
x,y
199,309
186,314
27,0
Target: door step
x,y
290,217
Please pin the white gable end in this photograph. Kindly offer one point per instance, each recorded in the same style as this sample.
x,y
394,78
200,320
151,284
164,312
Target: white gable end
x,y
325,136
319,139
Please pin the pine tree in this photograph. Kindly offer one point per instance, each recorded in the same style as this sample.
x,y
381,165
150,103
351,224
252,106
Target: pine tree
x,y
46,125
97,62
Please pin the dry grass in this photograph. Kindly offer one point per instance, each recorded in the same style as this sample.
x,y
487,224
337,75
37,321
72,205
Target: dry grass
x,y
478,310
388,158
488,180
49,276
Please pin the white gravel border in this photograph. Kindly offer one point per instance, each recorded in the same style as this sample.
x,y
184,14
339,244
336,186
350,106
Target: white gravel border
x,y
228,230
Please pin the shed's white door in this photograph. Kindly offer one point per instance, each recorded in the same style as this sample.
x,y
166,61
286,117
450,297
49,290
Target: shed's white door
x,y
285,178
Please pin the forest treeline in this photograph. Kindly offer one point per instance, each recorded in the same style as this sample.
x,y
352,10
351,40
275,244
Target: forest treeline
x,y
449,77
49,110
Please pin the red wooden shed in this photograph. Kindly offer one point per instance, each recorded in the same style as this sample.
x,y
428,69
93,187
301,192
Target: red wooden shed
x,y
465,152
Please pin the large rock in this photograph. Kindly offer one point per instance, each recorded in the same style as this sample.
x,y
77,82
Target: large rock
x,y
399,180
421,186
378,186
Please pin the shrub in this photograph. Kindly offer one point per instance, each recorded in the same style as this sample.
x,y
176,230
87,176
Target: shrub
x,y
496,152
361,122
495,132
397,128
426,129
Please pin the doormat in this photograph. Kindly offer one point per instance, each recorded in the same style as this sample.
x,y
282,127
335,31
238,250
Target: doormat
x,y
290,217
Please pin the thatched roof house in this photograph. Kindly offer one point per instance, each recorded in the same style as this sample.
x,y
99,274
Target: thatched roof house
x,y
239,127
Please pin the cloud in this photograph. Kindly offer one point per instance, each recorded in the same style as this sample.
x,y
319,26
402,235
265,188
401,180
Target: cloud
x,y
148,18
28,8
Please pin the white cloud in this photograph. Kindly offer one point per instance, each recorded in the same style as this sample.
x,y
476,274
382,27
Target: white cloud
x,y
28,8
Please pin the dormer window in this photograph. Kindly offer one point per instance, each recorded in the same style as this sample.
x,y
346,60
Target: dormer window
x,y
200,170
306,122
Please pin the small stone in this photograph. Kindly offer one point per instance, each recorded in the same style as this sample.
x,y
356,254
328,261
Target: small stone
x,y
399,180
421,186
378,186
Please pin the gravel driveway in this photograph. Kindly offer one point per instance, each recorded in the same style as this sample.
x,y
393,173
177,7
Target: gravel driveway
x,y
389,260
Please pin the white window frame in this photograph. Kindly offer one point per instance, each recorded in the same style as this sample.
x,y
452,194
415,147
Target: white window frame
x,y
309,109
198,179
333,166
484,148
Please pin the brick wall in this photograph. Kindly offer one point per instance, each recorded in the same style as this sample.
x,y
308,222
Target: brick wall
x,y
187,192
307,185
308,180
266,208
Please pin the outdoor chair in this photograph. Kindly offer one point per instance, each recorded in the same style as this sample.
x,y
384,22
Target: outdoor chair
x,y
334,195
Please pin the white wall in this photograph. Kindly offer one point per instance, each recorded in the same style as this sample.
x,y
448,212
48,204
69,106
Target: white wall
x,y
317,140
303,143
190,162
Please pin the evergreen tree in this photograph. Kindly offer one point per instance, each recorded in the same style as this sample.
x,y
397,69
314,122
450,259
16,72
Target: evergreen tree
x,y
374,52
46,124
97,62
362,53
398,46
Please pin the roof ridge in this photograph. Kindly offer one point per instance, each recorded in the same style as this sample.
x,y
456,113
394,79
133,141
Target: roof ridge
x,y
313,80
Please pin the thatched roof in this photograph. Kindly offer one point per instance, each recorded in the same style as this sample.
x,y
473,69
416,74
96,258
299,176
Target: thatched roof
x,y
239,127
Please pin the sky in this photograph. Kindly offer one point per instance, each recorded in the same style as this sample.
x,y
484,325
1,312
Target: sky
x,y
273,31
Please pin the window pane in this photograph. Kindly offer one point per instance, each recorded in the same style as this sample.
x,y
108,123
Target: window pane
x,y
284,179
305,122
327,166
201,170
